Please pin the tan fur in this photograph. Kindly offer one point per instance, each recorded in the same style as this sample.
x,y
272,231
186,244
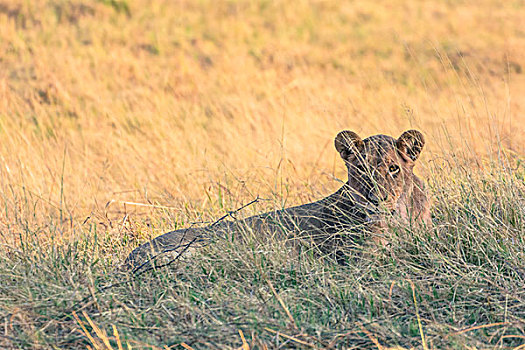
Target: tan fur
x,y
381,185
380,171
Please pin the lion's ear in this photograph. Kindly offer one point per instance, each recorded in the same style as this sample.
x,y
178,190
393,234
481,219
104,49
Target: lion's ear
x,y
348,143
410,144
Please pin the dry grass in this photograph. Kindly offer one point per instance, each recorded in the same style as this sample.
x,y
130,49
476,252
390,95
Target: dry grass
x,y
191,108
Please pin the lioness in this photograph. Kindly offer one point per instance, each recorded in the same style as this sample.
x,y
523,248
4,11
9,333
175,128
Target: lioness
x,y
381,183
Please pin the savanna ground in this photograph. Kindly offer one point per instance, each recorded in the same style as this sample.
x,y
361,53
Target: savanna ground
x,y
122,120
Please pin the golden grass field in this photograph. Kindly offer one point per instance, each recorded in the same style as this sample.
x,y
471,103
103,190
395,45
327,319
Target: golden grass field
x,y
182,98
133,117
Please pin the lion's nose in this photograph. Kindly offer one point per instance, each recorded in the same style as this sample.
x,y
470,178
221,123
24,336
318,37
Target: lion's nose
x,y
375,198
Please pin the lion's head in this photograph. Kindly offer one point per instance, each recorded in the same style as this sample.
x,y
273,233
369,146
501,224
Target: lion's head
x,y
380,168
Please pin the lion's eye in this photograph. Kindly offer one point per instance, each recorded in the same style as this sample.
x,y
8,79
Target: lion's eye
x,y
393,169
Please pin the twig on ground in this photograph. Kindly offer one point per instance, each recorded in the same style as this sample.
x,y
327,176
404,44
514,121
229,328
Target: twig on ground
x,y
186,246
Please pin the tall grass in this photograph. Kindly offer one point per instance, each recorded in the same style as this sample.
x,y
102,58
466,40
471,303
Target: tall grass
x,y
121,120
458,283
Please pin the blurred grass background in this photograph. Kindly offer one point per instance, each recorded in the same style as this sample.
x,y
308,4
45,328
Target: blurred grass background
x,y
128,118
160,102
